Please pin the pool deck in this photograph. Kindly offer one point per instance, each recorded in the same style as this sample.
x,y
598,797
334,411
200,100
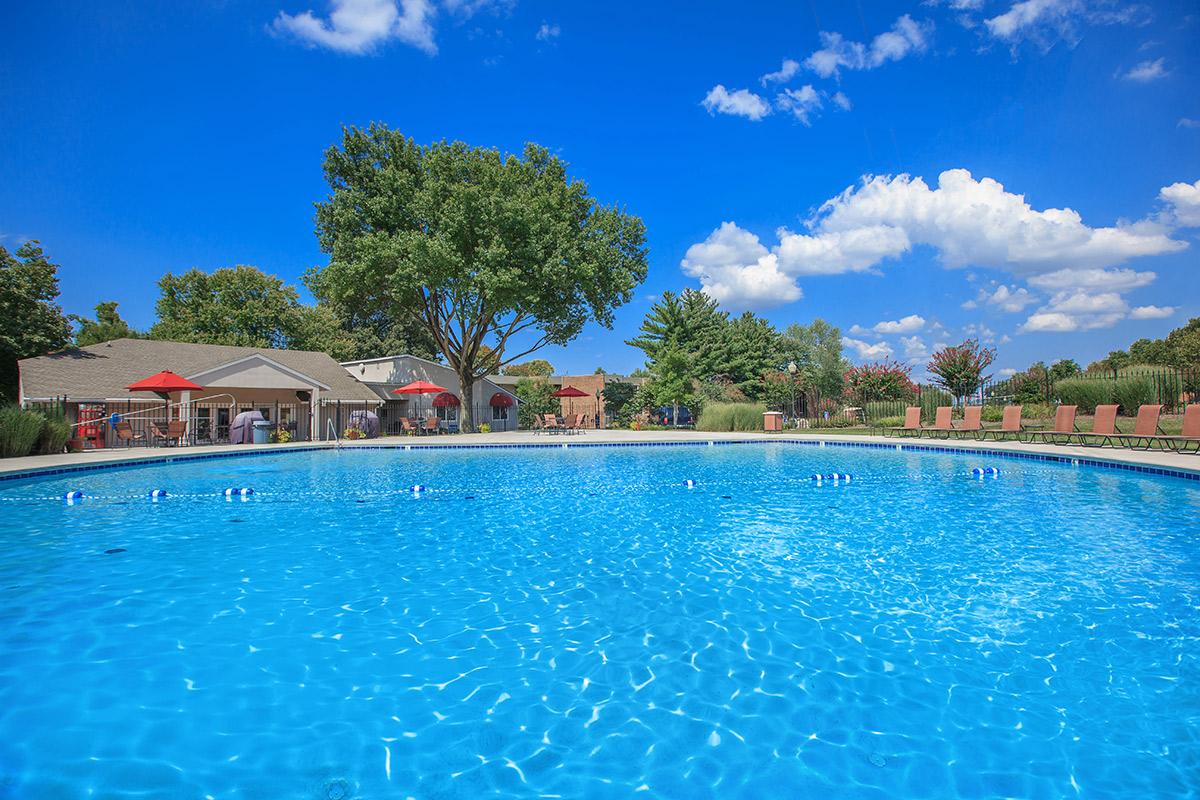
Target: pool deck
x,y
1153,459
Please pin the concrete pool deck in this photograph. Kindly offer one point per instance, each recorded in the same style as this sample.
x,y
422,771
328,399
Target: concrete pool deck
x,y
1188,464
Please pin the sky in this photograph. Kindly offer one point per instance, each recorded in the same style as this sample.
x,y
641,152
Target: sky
x,y
1025,173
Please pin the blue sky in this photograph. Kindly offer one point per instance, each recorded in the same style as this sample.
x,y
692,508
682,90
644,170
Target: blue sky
x,y
1027,172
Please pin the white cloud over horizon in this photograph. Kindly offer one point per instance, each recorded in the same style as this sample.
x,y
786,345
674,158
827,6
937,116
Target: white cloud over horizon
x,y
1047,22
967,222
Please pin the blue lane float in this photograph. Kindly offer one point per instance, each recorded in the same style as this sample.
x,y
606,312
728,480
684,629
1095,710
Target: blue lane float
x,y
243,492
689,483
833,477
418,488
73,495
157,493
980,472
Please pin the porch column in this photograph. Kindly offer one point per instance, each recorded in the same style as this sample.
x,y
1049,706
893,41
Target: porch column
x,y
185,413
315,417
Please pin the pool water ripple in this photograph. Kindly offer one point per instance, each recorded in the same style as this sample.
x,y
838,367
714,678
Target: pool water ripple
x,y
578,623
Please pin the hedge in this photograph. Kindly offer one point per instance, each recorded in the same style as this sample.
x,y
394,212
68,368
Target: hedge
x,y
722,417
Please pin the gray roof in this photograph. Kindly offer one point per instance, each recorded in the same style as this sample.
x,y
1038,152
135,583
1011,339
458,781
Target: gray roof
x,y
102,371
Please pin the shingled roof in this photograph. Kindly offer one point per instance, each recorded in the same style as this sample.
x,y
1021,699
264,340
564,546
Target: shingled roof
x,y
102,371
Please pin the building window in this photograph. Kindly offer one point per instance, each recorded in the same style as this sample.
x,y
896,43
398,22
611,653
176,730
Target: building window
x,y
499,413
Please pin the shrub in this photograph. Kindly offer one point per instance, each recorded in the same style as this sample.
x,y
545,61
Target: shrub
x,y
992,413
485,427
282,435
887,422
887,380
731,417
1087,393
1037,411
1129,393
19,431
53,436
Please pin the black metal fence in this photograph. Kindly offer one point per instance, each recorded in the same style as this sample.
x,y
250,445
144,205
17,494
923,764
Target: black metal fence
x,y
1129,388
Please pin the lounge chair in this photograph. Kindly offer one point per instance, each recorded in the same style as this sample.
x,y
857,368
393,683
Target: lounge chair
x,y
578,423
1009,424
1104,428
127,435
972,422
912,423
1190,433
1145,429
431,426
407,427
943,422
176,430
550,424
1064,427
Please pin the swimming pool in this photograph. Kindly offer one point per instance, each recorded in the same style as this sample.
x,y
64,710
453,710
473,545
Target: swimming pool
x,y
577,623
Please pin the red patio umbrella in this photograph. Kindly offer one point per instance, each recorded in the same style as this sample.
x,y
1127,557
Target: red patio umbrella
x,y
162,384
419,387
569,391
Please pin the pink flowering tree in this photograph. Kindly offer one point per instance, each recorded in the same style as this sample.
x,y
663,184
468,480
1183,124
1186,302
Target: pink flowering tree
x,y
959,369
885,380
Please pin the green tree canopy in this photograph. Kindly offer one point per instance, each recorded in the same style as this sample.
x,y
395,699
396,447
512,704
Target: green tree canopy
x,y
245,307
483,249
691,322
529,369
1064,368
618,400
537,398
816,350
107,326
749,349
31,322
1184,345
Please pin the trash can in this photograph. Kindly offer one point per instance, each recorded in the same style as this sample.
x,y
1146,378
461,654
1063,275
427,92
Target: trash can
x,y
773,421
262,431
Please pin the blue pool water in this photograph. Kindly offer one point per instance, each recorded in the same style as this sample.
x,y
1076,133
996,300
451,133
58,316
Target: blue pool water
x,y
576,623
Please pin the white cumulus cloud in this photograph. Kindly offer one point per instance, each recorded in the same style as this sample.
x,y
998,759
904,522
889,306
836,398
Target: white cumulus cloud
x,y
1183,202
547,32
802,102
968,223
909,324
868,351
787,71
1007,298
739,103
359,26
837,52
736,270
1152,312
1077,311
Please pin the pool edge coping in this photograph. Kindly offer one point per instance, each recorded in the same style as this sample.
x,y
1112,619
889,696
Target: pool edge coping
x,y
899,445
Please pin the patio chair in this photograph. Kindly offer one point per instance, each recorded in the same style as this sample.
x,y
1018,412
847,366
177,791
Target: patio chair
x,y
912,423
1145,429
431,426
1104,428
407,427
127,435
943,422
551,424
577,423
1009,424
1190,433
972,422
1064,427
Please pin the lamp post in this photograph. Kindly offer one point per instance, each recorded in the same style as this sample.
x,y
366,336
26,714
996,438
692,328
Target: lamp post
x,y
792,369
599,392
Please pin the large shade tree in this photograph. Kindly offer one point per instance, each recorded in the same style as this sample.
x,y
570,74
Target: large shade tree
x,y
31,321
484,249
107,325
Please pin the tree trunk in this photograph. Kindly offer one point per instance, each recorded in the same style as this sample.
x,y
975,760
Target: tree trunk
x,y
675,414
466,411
